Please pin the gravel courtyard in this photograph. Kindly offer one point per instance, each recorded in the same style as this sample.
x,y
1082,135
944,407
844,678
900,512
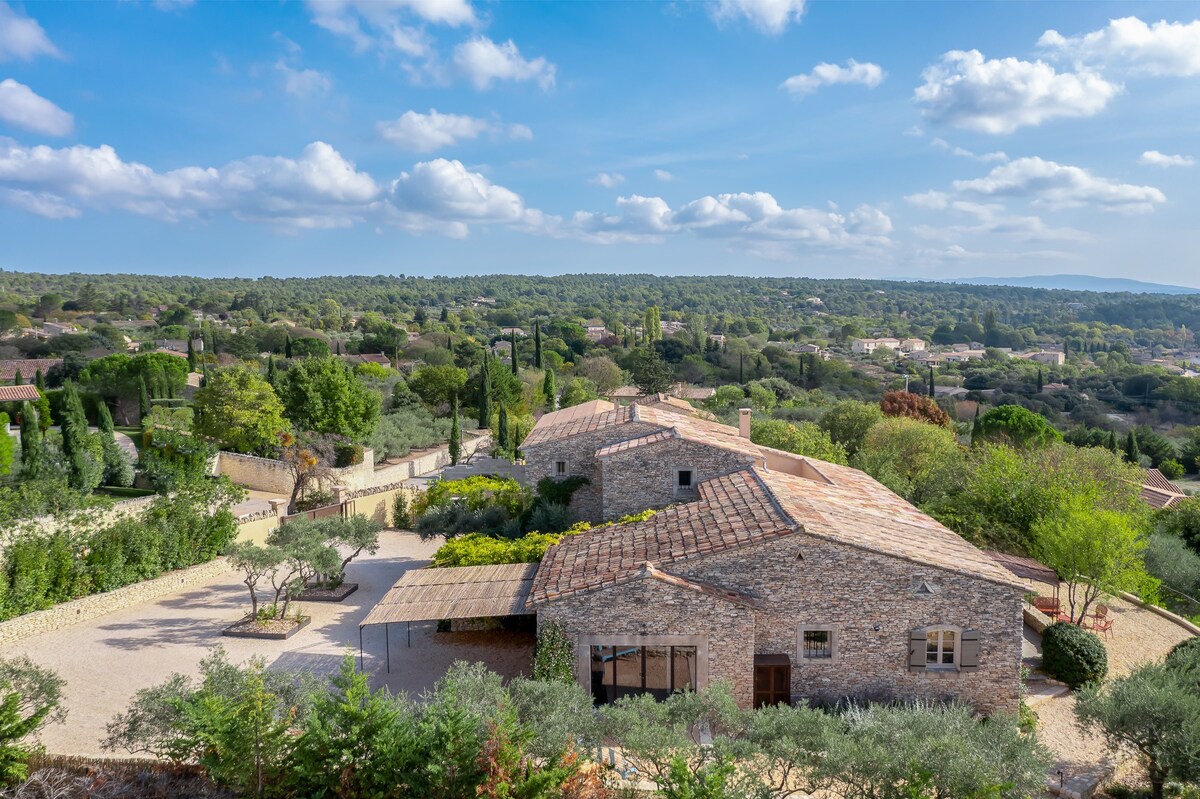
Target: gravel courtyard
x,y
105,661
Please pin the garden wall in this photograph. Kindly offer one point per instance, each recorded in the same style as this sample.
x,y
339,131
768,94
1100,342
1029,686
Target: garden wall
x,y
273,476
90,607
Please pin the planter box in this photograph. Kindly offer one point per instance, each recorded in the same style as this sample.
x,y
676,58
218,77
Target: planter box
x,y
327,595
251,628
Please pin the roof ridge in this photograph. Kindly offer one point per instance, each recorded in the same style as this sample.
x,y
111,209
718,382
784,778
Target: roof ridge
x,y
775,503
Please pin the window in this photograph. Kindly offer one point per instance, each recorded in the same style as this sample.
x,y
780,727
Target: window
x,y
817,645
940,648
619,671
560,468
685,481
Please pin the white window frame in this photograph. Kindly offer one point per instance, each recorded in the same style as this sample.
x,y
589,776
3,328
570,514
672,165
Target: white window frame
x,y
834,647
940,631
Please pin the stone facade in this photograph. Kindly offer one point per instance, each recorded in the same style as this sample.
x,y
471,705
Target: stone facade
x,y
871,602
647,476
579,454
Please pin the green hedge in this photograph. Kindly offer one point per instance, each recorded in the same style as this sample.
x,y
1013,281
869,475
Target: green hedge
x,y
40,570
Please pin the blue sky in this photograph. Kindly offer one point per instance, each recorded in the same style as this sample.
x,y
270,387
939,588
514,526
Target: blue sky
x,y
759,137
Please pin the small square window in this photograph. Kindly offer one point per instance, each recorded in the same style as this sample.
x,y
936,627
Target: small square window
x,y
940,648
817,645
560,468
684,479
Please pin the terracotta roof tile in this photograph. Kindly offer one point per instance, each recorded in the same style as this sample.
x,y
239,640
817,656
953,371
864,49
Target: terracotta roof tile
x,y
586,418
18,393
27,367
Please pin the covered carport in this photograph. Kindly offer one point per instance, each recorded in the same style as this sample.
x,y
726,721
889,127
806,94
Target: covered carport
x,y
460,592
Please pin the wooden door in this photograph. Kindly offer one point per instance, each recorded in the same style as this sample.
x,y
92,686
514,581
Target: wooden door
x,y
772,684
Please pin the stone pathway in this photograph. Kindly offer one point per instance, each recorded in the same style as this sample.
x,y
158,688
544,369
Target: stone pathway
x,y
1083,761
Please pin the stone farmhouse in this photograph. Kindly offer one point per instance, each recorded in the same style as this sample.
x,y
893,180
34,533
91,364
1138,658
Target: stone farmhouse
x,y
790,578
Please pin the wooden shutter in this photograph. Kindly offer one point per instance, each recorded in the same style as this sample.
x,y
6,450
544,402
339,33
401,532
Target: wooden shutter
x,y
916,649
968,658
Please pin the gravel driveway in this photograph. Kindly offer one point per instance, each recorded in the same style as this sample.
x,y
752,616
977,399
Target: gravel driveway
x,y
105,661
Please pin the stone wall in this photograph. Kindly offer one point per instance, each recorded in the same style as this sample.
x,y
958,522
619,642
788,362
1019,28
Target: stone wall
x,y
870,601
580,454
90,607
274,476
645,477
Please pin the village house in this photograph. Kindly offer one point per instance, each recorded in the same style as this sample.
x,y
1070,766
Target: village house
x,y
866,346
791,578
1050,358
27,368
594,329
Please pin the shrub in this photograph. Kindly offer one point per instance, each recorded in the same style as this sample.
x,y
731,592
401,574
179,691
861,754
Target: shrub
x,y
474,493
347,453
1185,652
554,658
551,518
405,429
400,515
1073,655
477,549
1171,469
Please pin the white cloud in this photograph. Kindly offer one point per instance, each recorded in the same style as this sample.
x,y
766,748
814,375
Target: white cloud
x,y
22,38
999,156
915,130
825,74
1161,48
769,16
303,83
607,179
389,24
663,175
39,203
428,132
935,200
1000,95
752,219
483,62
444,197
1155,158
20,106
1059,186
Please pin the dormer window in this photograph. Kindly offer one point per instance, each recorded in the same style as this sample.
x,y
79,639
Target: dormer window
x,y
685,481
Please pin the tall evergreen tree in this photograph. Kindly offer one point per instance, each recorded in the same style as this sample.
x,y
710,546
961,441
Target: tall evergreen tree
x,y
1039,381
1132,454
104,420
455,432
143,399
975,427
271,373
502,433
537,345
741,368
31,442
287,348
1112,442
39,379
18,379
485,392
550,390
932,393
338,346
513,342
191,353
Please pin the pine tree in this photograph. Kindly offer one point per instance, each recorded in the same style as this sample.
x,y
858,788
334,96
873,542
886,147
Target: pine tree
x,y
485,392
1131,448
550,390
502,433
18,379
191,353
1039,382
31,442
39,379
143,399
513,342
455,433
537,345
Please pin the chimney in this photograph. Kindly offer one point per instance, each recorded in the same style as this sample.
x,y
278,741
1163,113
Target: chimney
x,y
744,422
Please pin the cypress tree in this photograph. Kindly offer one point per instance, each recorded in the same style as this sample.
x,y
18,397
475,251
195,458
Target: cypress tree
x,y
455,433
1112,442
31,442
143,399
513,342
39,379
741,369
338,347
104,420
1039,382
191,353
1131,448
932,393
537,345
485,392
975,427
18,379
550,390
502,433
287,348
271,374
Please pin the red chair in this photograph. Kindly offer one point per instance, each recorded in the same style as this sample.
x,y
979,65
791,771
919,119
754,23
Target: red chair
x,y
1102,626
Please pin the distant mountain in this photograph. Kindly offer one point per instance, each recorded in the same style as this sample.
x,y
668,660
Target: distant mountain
x,y
1078,283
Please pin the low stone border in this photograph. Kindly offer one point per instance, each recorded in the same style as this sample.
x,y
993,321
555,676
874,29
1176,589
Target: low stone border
x,y
1166,614
250,628
327,595
1036,620
95,605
